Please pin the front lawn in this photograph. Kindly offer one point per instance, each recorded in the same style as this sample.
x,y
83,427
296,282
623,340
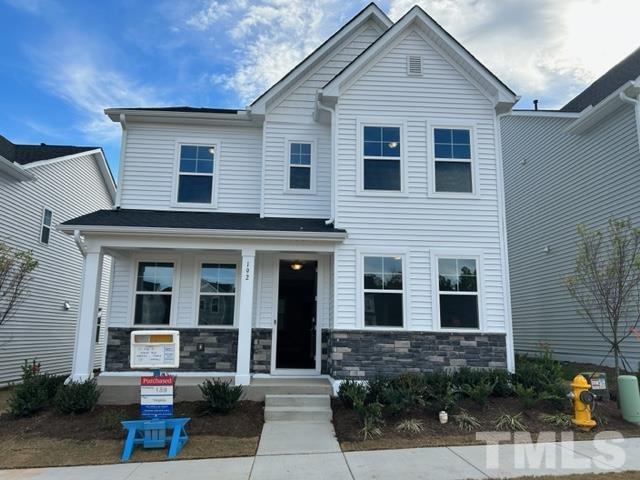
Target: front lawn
x,y
51,439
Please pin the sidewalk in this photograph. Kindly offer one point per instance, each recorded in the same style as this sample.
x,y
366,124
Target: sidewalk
x,y
322,459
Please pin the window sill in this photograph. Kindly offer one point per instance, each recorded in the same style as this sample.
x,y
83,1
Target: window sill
x,y
382,193
299,191
453,195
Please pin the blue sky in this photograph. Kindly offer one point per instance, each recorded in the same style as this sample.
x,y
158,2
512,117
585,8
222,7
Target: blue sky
x,y
64,61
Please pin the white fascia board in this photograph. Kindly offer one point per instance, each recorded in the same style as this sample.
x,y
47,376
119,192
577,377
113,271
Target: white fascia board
x,y
591,115
418,16
160,116
258,107
15,170
205,232
542,113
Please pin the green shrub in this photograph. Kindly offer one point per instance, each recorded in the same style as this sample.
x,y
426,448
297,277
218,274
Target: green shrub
x,y
371,417
510,423
376,387
404,392
110,419
412,426
557,420
352,393
77,397
439,394
479,392
465,421
526,395
468,376
503,382
220,396
34,393
542,372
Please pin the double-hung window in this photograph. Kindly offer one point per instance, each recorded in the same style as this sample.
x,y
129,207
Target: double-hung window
x,y
217,294
452,154
45,227
154,289
300,167
383,291
195,175
458,293
381,159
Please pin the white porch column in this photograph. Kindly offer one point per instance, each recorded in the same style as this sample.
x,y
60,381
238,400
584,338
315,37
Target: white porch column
x,y
243,363
87,317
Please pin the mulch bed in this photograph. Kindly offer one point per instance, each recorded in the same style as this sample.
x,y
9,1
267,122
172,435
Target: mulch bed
x,y
104,422
348,426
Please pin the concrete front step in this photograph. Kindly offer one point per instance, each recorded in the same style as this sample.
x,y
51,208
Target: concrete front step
x,y
261,387
320,401
297,414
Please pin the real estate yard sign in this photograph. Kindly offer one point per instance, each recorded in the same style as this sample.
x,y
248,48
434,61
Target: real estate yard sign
x,y
156,396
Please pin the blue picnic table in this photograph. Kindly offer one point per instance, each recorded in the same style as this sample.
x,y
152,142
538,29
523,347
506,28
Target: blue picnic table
x,y
152,433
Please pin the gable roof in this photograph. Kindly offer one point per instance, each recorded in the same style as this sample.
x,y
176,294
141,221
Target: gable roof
x,y
452,47
184,109
24,154
618,75
21,158
371,11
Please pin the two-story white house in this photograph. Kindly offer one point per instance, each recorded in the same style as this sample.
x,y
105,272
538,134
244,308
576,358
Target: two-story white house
x,y
349,222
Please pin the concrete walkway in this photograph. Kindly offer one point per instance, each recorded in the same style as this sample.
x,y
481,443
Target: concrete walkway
x,y
298,455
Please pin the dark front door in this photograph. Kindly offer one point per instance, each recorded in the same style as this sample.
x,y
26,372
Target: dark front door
x,y
296,323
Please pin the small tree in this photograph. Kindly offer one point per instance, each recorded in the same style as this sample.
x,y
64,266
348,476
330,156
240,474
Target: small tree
x,y
15,272
606,283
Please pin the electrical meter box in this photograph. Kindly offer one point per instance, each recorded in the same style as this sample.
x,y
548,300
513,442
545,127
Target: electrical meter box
x,y
155,349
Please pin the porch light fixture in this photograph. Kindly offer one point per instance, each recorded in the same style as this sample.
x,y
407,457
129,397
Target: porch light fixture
x,y
66,306
296,265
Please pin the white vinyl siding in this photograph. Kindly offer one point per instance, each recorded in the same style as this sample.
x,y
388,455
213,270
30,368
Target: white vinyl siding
x,y
150,165
554,181
417,223
42,328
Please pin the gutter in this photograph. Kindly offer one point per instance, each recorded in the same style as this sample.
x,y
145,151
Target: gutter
x,y
15,170
202,232
332,112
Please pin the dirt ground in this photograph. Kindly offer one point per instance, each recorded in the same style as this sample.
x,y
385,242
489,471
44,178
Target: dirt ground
x,y
50,439
4,397
348,426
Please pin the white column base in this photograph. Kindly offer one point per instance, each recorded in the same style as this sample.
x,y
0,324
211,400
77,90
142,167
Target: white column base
x,y
243,380
77,378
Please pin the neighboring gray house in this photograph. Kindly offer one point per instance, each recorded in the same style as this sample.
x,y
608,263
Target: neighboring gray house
x,y
349,222
580,164
41,185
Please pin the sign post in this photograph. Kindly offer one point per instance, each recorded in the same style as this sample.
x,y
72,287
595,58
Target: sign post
x,y
156,396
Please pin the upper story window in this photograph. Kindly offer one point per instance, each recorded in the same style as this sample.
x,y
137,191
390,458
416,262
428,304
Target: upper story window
x,y
452,154
383,291
154,289
45,227
458,293
382,165
195,175
300,166
217,294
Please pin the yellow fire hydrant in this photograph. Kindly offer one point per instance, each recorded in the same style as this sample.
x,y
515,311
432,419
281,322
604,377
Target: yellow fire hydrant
x,y
582,400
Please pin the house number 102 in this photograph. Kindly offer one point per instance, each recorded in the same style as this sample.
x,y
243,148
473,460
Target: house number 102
x,y
247,271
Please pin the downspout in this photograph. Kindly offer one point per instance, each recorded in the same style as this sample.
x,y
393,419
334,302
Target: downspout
x,y
123,141
82,246
332,112
636,106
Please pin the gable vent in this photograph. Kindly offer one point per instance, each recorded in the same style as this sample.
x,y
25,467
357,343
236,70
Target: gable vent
x,y
414,65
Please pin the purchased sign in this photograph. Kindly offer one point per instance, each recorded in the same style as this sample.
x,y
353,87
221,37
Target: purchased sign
x,y
156,397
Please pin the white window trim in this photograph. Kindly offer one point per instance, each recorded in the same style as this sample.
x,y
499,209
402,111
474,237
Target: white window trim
x,y
43,226
198,142
222,259
435,288
472,127
287,166
175,288
381,122
360,290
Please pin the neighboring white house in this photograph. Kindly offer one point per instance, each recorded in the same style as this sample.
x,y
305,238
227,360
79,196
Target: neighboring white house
x,y
349,222
580,164
40,186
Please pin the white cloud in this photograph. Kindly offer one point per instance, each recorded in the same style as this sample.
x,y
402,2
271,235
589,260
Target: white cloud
x,y
272,37
76,76
546,48
212,12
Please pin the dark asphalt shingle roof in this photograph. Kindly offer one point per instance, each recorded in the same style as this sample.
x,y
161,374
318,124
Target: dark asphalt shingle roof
x,y
627,69
24,154
184,109
200,220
